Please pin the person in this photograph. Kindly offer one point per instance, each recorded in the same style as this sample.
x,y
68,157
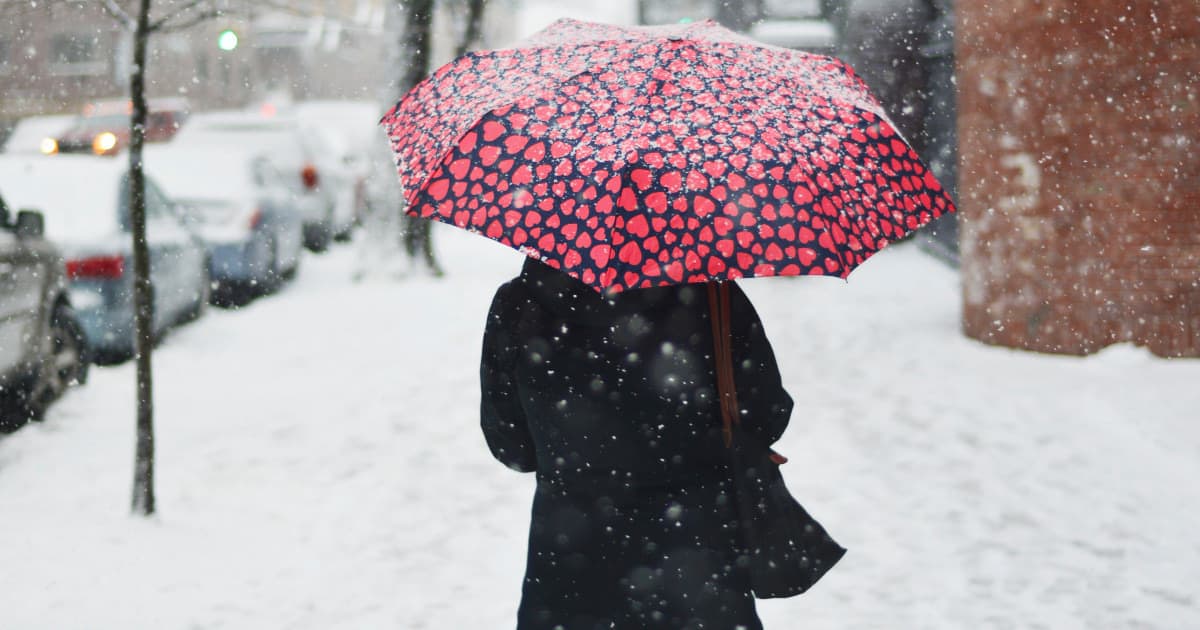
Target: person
x,y
611,401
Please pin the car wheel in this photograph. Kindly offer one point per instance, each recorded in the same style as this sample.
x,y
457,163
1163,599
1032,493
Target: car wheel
x,y
345,234
317,238
274,277
66,364
71,357
289,274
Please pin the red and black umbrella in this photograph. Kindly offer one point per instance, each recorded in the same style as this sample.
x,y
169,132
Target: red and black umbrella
x,y
639,157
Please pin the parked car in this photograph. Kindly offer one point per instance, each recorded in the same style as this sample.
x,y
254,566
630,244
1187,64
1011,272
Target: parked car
x,y
354,141
294,151
85,200
240,205
103,129
43,350
30,135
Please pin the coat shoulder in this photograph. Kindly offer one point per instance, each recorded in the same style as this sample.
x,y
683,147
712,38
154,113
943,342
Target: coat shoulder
x,y
507,300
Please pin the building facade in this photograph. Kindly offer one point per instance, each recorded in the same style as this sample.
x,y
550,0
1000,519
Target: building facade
x,y
57,56
1080,174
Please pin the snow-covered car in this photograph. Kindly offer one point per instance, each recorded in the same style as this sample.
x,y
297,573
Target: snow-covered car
x,y
42,346
293,152
85,200
338,180
355,138
238,203
30,134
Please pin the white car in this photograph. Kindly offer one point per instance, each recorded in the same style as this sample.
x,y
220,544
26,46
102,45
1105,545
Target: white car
x,y
292,149
85,202
357,146
238,203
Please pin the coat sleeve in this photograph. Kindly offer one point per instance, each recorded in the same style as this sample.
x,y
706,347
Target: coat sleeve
x,y
501,415
764,405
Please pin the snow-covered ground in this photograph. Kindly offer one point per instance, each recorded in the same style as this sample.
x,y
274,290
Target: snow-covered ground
x,y
320,467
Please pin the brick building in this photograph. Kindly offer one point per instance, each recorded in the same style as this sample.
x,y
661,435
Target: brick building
x,y
1079,127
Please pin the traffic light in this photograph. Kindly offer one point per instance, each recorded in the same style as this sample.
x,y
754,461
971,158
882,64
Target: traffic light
x,y
227,40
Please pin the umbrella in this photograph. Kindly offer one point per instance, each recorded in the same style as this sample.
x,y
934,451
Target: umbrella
x,y
634,157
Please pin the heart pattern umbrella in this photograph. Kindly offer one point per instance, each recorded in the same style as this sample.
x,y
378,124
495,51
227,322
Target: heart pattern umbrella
x,y
639,157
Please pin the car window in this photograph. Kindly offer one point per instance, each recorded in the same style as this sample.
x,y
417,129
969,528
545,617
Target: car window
x,y
97,123
265,173
157,204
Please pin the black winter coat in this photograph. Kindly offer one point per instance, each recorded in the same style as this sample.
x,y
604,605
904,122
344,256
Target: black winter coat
x,y
612,402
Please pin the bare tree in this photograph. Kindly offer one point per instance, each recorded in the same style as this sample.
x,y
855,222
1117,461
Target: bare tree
x,y
180,16
473,28
143,290
415,41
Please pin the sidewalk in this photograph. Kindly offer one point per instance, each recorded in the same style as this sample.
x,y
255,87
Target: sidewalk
x,y
320,467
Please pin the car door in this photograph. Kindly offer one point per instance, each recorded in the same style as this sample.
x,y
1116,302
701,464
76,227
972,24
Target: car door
x,y
285,221
21,287
12,321
176,258
165,245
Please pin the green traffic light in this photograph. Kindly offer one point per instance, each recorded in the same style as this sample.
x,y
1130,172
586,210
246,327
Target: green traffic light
x,y
227,40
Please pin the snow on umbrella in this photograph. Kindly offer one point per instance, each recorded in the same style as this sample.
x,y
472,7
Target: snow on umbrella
x,y
648,156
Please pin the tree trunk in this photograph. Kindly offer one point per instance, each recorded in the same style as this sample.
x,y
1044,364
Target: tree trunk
x,y
143,290
418,17
473,29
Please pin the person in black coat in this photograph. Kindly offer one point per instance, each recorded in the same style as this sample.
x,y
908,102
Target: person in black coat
x,y
611,400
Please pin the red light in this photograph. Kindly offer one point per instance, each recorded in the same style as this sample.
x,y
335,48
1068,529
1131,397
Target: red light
x,y
98,267
308,175
256,218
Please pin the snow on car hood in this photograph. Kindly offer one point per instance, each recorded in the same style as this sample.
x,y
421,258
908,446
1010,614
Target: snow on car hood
x,y
78,195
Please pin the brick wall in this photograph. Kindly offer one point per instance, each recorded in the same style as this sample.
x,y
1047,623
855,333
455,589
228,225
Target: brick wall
x,y
1079,129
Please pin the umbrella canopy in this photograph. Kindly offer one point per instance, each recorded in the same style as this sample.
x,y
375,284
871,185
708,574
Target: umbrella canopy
x,y
639,157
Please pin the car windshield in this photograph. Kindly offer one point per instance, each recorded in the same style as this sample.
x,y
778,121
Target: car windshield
x,y
97,123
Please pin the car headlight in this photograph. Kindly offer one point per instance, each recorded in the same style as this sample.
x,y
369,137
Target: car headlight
x,y
49,146
104,143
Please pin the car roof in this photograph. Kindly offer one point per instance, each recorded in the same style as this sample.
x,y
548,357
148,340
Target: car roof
x,y
354,124
231,120
77,194
231,128
204,170
351,111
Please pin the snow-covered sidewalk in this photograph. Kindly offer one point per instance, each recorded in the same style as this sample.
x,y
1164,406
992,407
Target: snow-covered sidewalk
x,y
320,467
